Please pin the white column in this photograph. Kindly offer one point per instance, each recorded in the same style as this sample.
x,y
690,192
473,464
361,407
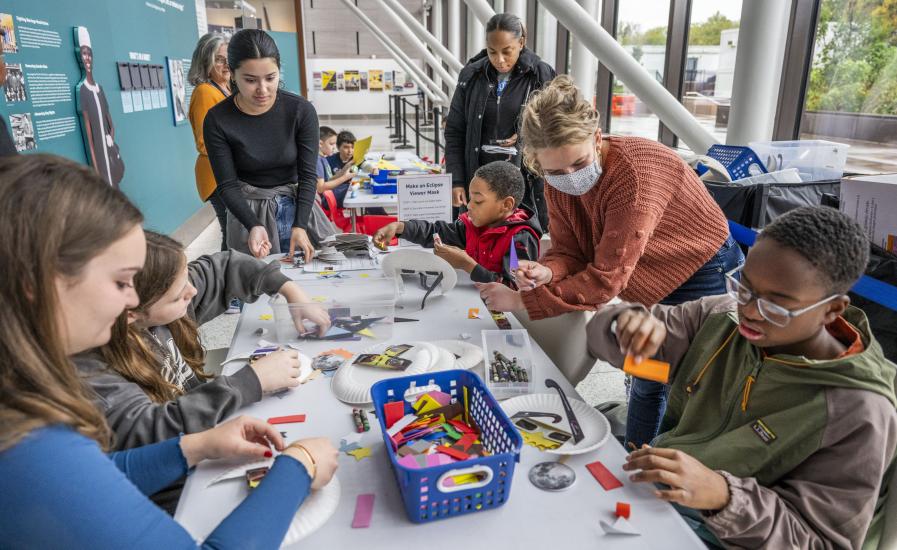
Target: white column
x,y
481,10
417,45
498,6
423,34
758,70
418,75
517,7
547,35
584,27
582,63
436,17
454,28
476,34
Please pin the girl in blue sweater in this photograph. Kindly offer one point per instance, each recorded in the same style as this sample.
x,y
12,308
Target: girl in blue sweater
x,y
74,245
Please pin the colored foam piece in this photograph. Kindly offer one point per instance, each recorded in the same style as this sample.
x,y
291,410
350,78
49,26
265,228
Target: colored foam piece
x,y
461,427
623,510
600,472
409,461
451,432
454,453
473,313
466,441
347,447
366,332
420,447
425,404
364,510
401,424
266,317
392,412
360,453
440,397
648,369
291,419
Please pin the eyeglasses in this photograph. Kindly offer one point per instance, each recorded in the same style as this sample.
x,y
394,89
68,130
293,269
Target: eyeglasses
x,y
774,313
219,60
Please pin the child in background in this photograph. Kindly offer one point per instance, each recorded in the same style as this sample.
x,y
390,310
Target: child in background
x,y
341,162
480,240
328,179
149,380
781,425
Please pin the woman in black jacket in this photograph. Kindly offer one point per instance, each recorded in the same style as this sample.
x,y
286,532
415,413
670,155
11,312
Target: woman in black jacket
x,y
492,90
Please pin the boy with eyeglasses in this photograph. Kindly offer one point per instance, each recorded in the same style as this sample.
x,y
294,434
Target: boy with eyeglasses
x,y
781,424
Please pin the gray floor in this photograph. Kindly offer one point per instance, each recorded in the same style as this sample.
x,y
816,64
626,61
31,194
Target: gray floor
x,y
604,383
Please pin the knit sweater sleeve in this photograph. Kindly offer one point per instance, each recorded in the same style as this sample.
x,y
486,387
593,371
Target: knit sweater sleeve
x,y
633,205
565,255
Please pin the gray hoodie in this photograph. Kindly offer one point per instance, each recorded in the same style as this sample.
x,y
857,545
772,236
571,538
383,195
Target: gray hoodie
x,y
134,418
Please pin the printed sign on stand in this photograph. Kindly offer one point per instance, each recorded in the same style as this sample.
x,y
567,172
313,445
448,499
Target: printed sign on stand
x,y
425,197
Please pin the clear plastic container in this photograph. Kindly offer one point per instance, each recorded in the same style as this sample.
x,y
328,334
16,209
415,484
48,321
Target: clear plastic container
x,y
815,159
362,307
502,348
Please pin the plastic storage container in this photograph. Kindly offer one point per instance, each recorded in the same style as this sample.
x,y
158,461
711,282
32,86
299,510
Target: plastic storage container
x,y
815,159
354,305
513,346
425,493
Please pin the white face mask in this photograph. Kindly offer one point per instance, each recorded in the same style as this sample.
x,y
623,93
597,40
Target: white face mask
x,y
578,182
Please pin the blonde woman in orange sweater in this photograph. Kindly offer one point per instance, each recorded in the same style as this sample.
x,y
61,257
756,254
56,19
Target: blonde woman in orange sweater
x,y
628,218
211,76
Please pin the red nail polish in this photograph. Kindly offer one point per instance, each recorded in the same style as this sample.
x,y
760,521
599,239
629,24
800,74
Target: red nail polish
x,y
268,454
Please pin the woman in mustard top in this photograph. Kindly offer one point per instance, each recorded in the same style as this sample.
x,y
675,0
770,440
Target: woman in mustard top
x,y
211,76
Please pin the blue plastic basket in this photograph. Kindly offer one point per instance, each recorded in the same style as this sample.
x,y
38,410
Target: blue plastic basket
x,y
386,176
389,188
425,496
741,162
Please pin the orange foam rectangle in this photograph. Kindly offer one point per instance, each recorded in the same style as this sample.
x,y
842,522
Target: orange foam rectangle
x,y
648,369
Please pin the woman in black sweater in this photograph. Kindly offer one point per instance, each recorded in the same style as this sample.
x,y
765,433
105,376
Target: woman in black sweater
x,y
262,141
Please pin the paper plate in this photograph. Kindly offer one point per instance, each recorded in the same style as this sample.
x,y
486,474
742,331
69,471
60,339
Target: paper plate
x,y
420,260
468,355
352,384
314,512
594,425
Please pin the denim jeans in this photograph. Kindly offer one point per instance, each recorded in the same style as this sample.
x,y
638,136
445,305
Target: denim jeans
x,y
286,215
647,399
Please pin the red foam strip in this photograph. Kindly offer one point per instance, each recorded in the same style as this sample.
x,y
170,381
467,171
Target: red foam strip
x,y
392,412
291,419
603,475
466,441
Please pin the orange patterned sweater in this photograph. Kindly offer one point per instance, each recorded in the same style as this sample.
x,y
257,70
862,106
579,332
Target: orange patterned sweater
x,y
640,233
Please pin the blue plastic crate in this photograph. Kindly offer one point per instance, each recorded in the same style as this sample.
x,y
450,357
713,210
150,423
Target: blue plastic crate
x,y
389,188
386,176
741,162
425,496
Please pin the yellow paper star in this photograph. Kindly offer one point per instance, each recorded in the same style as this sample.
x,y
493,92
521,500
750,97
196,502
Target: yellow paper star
x,y
366,332
360,453
265,317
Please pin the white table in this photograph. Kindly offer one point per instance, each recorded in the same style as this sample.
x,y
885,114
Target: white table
x,y
531,518
365,199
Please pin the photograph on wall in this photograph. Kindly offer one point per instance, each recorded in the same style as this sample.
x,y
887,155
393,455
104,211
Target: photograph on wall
x,y
316,80
340,81
399,79
22,132
177,85
328,81
15,84
375,80
96,122
9,33
363,78
387,80
353,81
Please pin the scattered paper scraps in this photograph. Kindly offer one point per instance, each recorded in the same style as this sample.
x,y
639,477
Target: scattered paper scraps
x,y
346,446
600,472
364,510
266,317
619,527
360,453
254,476
291,419
473,313
648,369
623,510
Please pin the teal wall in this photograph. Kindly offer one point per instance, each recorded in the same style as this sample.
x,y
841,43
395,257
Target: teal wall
x,y
158,155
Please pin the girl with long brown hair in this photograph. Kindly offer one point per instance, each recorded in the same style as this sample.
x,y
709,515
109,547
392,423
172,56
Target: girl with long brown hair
x,y
149,378
71,247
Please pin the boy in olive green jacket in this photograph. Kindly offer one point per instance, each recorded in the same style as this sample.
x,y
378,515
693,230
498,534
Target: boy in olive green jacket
x,y
781,423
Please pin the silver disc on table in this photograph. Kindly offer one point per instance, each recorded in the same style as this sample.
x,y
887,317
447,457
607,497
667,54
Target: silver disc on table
x,y
552,476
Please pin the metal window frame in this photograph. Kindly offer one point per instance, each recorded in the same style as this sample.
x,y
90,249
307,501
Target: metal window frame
x,y
604,90
674,60
796,68
562,50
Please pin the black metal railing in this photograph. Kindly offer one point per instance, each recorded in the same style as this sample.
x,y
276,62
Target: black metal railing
x,y
425,114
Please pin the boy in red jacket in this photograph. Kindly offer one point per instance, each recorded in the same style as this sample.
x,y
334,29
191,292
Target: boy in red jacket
x,y
480,240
